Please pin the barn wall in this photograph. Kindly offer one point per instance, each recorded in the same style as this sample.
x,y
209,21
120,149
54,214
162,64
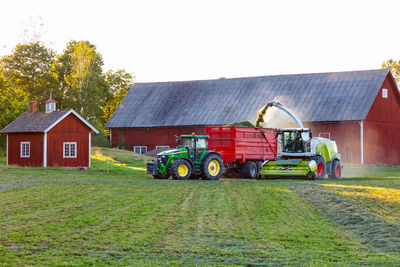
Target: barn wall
x,y
36,149
346,134
70,129
382,127
152,137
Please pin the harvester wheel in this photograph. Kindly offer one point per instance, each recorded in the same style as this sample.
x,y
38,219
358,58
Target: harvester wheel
x,y
161,176
212,167
336,171
181,170
249,170
321,167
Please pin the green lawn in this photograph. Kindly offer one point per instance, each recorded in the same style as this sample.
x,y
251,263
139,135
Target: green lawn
x,y
123,216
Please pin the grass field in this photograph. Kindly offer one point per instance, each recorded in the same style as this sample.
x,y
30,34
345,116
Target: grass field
x,y
116,214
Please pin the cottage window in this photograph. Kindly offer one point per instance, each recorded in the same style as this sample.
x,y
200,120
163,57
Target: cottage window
x,y
384,93
140,149
69,149
25,149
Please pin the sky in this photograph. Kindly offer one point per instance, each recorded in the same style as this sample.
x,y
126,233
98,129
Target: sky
x,y
174,40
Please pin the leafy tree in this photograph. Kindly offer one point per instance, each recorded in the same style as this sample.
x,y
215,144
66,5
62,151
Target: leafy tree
x,y
119,83
28,68
12,104
394,67
81,82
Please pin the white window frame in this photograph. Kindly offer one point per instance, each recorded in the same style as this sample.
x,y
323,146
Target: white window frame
x,y
162,147
385,93
69,150
23,151
140,149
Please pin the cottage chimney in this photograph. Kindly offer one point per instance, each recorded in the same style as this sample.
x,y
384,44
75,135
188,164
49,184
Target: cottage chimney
x,y
50,105
33,106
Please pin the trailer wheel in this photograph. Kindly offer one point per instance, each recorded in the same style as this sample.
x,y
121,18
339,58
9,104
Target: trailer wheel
x,y
212,167
161,176
336,171
181,170
249,170
321,167
259,166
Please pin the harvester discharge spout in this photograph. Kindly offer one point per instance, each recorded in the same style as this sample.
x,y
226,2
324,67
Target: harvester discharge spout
x,y
261,113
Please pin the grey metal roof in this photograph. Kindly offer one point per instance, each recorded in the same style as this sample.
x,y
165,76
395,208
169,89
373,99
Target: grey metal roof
x,y
39,122
335,96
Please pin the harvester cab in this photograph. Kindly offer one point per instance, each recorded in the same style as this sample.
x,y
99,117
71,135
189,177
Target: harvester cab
x,y
191,158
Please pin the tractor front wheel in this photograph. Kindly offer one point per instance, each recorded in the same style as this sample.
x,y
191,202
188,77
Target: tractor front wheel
x,y
161,176
212,167
181,170
336,171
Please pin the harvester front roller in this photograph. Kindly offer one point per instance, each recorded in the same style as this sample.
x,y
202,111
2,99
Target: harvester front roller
x,y
293,168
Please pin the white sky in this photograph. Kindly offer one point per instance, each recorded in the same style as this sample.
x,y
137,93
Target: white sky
x,y
185,40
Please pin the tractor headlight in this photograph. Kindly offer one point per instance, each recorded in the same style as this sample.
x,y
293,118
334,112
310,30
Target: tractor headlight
x,y
162,159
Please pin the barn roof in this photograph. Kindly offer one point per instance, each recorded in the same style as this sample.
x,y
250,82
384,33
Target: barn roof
x,y
40,122
334,96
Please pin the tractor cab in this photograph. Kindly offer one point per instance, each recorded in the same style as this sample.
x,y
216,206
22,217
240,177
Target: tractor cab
x,y
195,144
294,141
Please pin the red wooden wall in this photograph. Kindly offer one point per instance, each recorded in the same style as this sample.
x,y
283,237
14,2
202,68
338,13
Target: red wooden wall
x,y
70,129
152,137
36,149
382,127
346,134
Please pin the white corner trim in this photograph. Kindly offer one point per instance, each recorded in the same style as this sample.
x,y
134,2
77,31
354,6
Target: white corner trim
x,y
362,141
7,149
77,115
110,138
90,148
45,150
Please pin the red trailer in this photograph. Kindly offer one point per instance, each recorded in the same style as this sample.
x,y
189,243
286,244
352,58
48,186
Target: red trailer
x,y
243,148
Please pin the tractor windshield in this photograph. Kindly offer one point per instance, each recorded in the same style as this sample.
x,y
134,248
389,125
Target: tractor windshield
x,y
295,142
188,143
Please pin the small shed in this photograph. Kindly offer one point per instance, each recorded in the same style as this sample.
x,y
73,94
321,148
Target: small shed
x,y
51,138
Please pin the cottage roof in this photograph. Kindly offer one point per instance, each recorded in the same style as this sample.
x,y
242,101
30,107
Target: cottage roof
x,y
41,122
334,96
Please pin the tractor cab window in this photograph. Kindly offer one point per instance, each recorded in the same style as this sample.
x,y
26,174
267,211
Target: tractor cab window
x,y
188,143
202,143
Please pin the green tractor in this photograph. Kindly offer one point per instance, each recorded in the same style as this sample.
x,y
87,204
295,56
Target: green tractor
x,y
302,156
191,159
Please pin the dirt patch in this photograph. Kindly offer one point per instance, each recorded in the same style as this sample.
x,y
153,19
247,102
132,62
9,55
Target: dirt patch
x,y
374,232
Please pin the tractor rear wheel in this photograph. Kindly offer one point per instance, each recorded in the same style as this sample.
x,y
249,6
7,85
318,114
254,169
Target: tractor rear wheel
x,y
249,169
181,170
212,167
336,171
321,167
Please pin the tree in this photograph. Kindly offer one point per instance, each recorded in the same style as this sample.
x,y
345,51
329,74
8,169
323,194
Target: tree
x,y
12,104
119,83
81,82
394,67
28,68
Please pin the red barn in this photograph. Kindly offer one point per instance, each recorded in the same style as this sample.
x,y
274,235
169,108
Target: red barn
x,y
52,138
360,110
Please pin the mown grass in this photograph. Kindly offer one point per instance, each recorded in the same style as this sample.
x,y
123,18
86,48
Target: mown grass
x,y
58,216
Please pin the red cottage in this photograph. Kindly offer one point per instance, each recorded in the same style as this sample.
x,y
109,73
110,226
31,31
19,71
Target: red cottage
x,y
52,138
